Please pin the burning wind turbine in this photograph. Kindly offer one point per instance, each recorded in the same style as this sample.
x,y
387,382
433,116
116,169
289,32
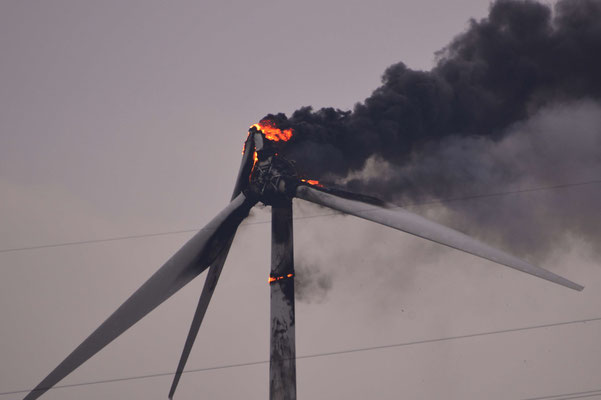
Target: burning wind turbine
x,y
270,178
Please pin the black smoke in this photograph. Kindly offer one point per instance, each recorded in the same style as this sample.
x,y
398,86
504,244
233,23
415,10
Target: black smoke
x,y
526,80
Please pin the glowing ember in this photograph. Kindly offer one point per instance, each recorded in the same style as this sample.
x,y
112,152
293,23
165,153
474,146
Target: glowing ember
x,y
279,278
312,182
272,132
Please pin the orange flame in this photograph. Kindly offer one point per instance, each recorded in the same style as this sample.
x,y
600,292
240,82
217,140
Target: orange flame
x,y
279,278
255,159
272,132
312,182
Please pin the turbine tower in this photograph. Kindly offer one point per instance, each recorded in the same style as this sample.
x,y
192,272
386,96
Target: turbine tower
x,y
271,179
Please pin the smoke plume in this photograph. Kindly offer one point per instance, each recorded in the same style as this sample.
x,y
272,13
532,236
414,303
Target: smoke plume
x,y
311,284
514,102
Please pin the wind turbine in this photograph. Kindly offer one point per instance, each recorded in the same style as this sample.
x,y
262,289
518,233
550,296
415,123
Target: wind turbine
x,y
267,177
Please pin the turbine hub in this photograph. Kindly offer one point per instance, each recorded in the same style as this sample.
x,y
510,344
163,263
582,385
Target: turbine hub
x,y
273,179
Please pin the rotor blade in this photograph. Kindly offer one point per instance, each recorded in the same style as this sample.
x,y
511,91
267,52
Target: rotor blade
x,y
246,166
181,268
214,270
403,220
203,304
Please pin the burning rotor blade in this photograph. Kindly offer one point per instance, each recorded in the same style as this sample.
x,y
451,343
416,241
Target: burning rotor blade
x,y
181,268
403,220
246,166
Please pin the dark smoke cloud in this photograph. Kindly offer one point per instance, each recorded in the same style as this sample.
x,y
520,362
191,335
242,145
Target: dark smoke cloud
x,y
559,144
524,81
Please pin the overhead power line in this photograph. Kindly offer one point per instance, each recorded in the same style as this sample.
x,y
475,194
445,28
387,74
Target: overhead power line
x,y
424,203
349,351
569,396
111,239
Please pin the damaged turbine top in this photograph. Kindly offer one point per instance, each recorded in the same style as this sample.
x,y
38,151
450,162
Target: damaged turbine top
x,y
272,178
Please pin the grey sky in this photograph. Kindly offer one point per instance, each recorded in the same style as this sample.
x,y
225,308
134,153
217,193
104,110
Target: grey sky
x,y
121,118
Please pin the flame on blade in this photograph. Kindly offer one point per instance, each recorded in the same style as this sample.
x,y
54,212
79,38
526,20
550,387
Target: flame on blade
x,y
312,182
272,132
255,159
279,278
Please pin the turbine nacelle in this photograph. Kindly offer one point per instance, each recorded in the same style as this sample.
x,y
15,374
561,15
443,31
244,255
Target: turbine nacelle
x,y
273,179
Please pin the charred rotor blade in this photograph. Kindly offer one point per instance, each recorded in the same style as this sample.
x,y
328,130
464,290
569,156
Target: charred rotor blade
x,y
203,304
403,220
181,268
